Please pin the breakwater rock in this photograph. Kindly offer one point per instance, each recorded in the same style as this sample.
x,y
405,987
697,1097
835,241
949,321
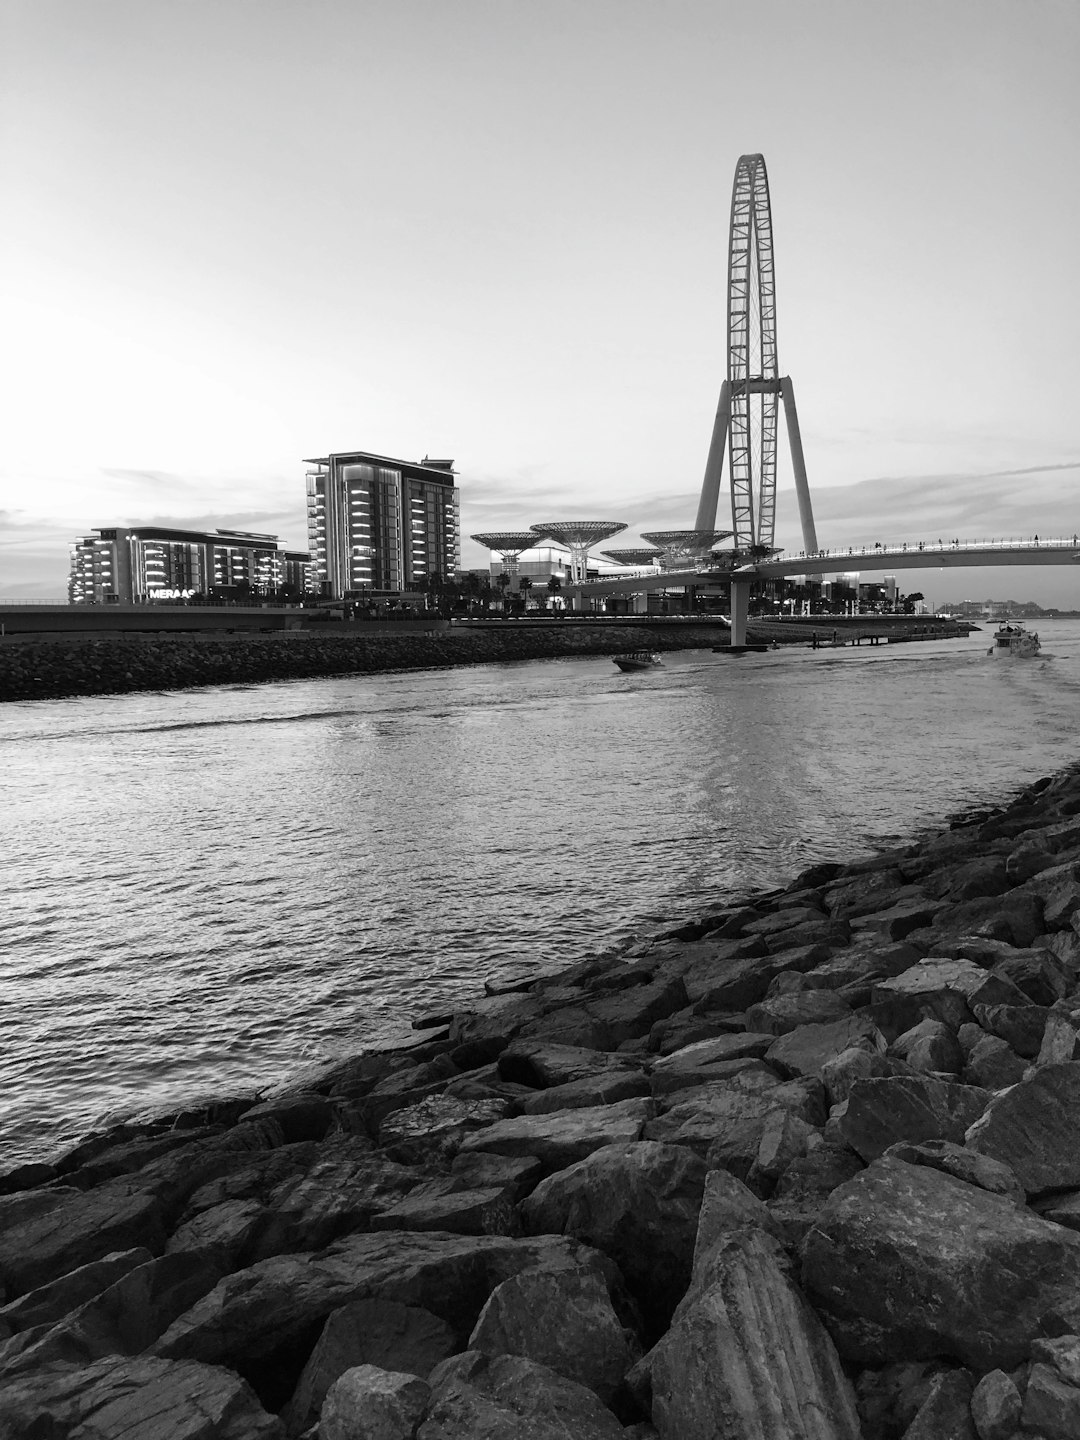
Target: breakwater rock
x,y
39,669
807,1167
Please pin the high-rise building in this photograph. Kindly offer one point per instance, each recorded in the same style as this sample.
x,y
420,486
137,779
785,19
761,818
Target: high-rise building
x,y
375,523
136,564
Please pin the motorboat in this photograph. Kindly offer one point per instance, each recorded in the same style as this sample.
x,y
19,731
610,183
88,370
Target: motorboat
x,y
1011,638
639,660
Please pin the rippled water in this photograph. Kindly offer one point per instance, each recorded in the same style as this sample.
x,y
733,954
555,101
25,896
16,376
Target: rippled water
x,y
205,888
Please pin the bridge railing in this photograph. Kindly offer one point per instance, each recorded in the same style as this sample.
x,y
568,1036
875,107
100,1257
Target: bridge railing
x,y
938,547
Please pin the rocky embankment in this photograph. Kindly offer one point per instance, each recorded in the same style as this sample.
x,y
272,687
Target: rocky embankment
x,y
42,669
808,1167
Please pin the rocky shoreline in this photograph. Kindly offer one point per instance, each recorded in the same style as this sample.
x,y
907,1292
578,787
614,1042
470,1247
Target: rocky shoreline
x,y
39,669
808,1166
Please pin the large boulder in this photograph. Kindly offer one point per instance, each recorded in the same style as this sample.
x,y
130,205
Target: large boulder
x,y
141,1398
124,1319
905,1263
559,1139
639,1204
383,1333
44,1234
561,1319
368,1403
57,1299
253,1317
880,1112
806,1049
507,1397
746,1358
1035,1129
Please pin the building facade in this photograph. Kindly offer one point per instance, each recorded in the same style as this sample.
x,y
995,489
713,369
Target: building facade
x,y
139,564
379,524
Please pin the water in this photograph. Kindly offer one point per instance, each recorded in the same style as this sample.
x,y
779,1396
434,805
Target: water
x,y
204,889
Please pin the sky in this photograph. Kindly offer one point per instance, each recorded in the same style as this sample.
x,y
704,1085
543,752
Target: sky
x,y
239,234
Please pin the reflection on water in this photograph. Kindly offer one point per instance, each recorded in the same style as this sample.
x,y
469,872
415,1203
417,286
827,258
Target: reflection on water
x,y
207,887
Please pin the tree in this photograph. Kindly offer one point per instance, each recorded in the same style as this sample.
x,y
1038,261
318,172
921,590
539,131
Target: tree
x,y
524,586
554,585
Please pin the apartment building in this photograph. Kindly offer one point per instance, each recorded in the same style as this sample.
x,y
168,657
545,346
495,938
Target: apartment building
x,y
138,564
380,524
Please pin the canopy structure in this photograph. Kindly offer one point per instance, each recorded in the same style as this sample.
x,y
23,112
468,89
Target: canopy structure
x,y
508,544
682,549
579,537
642,555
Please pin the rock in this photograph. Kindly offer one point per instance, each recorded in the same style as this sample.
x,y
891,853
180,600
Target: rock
x,y
1063,1208
1034,1128
227,1231
461,1212
863,894
880,1112
514,1175
381,1333
301,1117
366,1403
124,1319
338,1194
1015,917
746,1358
1037,973
1058,889
937,989
1061,1034
929,1047
1061,1353
804,1187
1051,1405
840,1074
432,1130
542,1065
784,1013
57,1299
135,1398
889,1398
995,1407
1020,1026
726,1205
562,1320
67,1229
252,1318
665,1083
739,982
606,1089
945,1414
964,1164
993,1065
743,1045
907,1263
784,1139
506,1397
806,1049
638,1203
560,1139
627,1014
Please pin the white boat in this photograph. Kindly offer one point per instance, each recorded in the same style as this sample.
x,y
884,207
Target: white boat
x,y
639,660
1011,638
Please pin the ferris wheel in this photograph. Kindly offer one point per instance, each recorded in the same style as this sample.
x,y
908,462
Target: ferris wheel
x,y
747,417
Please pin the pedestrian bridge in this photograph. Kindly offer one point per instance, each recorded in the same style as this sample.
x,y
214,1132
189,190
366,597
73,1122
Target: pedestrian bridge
x,y
738,570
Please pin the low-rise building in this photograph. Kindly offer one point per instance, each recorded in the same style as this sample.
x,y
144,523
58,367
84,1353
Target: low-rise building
x,y
142,563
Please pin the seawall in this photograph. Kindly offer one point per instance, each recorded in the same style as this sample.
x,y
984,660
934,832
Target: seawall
x,y
34,669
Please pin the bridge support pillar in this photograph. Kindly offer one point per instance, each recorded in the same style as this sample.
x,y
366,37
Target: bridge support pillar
x,y
740,605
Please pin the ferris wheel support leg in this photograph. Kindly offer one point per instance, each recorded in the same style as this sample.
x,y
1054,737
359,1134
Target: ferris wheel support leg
x,y
740,605
714,465
798,464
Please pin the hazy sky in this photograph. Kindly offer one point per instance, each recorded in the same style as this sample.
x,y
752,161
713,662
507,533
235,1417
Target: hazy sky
x,y
239,233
